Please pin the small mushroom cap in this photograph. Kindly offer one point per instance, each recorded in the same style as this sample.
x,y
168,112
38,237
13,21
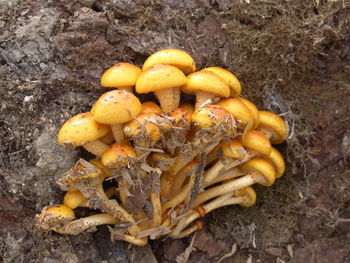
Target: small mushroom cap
x,y
206,81
187,106
98,163
256,141
253,110
209,116
150,107
73,199
230,78
233,150
158,77
120,75
276,158
174,57
262,167
118,156
116,107
144,123
250,195
180,117
239,111
275,124
81,129
59,212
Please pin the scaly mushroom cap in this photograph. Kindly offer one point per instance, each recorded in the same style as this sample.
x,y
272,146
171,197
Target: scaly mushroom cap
x,y
253,110
116,107
120,75
146,123
250,196
118,156
233,150
81,129
98,163
73,199
159,77
173,57
238,110
230,78
59,212
209,116
277,161
262,167
150,107
274,124
256,141
208,82
180,117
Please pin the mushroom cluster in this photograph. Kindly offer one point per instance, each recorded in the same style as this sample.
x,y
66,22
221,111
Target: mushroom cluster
x,y
158,169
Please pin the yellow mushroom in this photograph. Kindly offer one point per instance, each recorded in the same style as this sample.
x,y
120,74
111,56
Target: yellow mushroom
x,y
230,78
150,107
273,126
118,156
165,81
207,86
115,108
122,76
83,130
253,110
174,57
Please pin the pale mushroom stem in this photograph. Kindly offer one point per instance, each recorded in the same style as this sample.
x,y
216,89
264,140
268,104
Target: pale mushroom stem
x,y
229,174
185,233
204,98
117,130
97,147
129,238
128,89
169,99
181,196
157,209
166,184
236,184
77,226
122,192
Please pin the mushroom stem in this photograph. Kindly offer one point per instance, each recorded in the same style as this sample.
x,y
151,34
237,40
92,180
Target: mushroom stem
x,y
189,231
128,89
97,147
169,98
219,167
117,130
129,238
204,98
157,209
229,174
122,192
77,226
232,185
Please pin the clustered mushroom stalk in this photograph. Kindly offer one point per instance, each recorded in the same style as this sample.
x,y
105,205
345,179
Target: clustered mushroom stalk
x,y
161,166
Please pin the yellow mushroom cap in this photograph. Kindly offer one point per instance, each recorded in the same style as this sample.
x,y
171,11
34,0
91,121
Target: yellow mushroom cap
x,y
174,57
261,167
120,75
250,195
233,150
81,129
187,106
276,158
206,81
150,107
98,163
73,199
209,116
146,123
158,77
118,155
253,110
116,107
274,124
239,111
59,212
230,78
256,141
180,117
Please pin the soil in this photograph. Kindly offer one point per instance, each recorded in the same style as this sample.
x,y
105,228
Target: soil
x,y
292,57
